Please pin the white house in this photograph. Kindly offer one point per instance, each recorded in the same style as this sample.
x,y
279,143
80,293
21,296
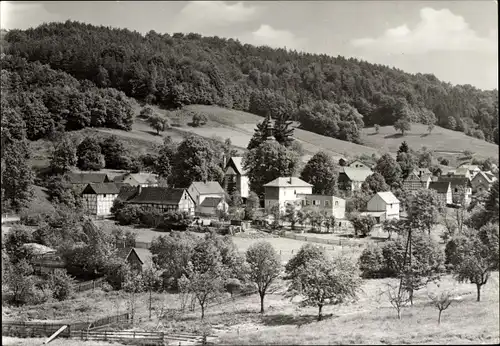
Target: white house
x,y
330,205
443,190
383,206
285,189
482,181
359,164
351,179
200,190
211,205
236,178
98,198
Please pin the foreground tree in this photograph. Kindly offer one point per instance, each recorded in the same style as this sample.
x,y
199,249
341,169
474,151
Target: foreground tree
x,y
325,282
424,210
474,260
307,253
264,268
321,171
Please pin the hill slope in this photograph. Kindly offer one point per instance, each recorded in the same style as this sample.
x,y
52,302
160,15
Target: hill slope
x,y
239,127
336,96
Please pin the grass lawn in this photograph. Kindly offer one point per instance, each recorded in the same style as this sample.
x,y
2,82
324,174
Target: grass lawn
x,y
441,139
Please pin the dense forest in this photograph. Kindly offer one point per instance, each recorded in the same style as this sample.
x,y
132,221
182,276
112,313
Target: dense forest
x,y
333,96
49,102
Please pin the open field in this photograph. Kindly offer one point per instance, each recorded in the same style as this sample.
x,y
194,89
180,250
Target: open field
x,y
369,320
285,246
442,140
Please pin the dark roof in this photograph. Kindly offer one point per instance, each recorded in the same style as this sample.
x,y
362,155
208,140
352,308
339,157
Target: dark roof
x,y
439,186
211,202
141,178
103,188
127,192
455,180
158,195
87,178
144,255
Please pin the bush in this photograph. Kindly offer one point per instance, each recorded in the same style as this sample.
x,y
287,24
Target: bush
x,y
371,262
40,296
61,284
129,214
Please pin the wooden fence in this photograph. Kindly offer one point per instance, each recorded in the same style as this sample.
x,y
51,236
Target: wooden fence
x,y
39,329
123,318
89,285
339,242
143,337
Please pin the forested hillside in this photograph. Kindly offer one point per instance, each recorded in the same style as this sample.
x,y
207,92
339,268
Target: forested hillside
x,y
46,102
333,96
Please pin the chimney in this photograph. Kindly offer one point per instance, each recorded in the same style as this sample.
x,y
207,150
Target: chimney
x,y
139,189
224,161
290,180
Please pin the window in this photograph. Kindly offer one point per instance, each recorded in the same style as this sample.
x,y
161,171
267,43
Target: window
x,y
104,195
327,203
336,203
316,202
456,189
308,202
294,192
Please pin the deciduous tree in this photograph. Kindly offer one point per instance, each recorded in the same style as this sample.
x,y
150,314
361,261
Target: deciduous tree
x,y
389,169
264,267
326,282
321,171
89,155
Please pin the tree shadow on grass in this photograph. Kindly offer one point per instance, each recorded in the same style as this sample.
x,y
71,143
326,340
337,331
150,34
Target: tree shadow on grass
x,y
394,135
372,134
424,135
281,319
152,133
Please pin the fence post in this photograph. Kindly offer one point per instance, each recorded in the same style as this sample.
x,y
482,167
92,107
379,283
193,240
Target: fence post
x,y
81,334
134,334
106,335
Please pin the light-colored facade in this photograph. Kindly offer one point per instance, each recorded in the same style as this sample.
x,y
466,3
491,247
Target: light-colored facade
x,y
285,190
164,199
201,190
210,206
482,182
236,178
350,179
359,164
331,205
443,190
98,198
386,203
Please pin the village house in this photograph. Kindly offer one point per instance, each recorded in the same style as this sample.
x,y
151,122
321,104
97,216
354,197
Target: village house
x,y
285,190
418,179
139,259
235,177
443,190
44,259
200,190
383,206
80,180
162,199
359,164
482,181
98,198
472,169
461,188
330,205
351,179
136,179
212,205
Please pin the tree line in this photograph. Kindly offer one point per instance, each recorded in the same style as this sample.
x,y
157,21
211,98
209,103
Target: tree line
x,y
334,96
